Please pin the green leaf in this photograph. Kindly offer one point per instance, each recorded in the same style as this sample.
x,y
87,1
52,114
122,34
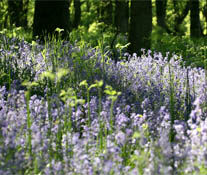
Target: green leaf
x,y
29,84
99,83
80,101
92,86
47,74
83,83
59,30
62,72
136,135
62,93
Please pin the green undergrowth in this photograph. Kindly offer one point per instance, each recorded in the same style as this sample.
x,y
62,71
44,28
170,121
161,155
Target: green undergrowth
x,y
191,50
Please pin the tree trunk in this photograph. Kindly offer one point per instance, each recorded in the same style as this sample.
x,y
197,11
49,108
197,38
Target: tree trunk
x,y
161,6
195,26
106,11
140,26
77,6
50,15
205,15
179,19
161,12
17,12
122,15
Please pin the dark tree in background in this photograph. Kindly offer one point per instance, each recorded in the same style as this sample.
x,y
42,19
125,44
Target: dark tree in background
x,y
77,6
205,14
50,15
17,11
180,16
195,26
122,15
161,6
105,11
140,25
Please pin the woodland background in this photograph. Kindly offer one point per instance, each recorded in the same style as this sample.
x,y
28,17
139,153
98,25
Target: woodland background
x,y
162,25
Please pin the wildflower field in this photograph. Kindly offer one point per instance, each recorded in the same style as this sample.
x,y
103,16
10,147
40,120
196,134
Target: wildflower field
x,y
69,109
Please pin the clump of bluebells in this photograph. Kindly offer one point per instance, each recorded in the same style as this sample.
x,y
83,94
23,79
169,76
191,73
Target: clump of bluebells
x,y
68,109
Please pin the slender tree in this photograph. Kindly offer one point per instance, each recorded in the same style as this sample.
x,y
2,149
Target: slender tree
x,y
105,11
77,6
195,26
122,15
161,6
18,12
180,17
140,25
205,15
50,15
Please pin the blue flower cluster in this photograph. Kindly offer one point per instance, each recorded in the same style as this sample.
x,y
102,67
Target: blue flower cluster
x,y
156,125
